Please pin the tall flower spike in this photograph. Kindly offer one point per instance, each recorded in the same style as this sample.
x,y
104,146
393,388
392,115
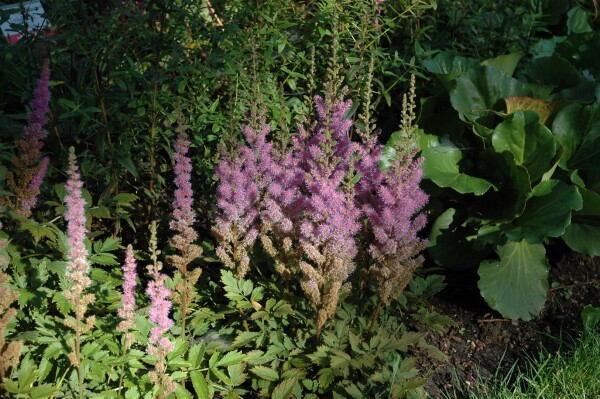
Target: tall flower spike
x,y
239,197
78,266
331,222
392,202
182,223
127,310
160,305
29,172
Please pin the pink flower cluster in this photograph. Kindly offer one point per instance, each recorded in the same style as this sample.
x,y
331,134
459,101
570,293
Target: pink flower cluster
x,y
239,198
160,306
307,207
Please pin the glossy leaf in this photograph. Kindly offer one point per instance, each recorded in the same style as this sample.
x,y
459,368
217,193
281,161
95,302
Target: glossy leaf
x,y
531,143
506,63
547,213
517,284
577,127
441,165
583,234
478,93
522,103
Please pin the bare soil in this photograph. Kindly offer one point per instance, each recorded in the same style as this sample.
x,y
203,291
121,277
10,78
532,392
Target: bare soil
x,y
483,346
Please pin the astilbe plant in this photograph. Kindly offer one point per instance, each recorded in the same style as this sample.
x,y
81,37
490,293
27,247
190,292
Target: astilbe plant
x,y
239,198
29,166
182,223
160,305
313,201
331,218
391,200
78,267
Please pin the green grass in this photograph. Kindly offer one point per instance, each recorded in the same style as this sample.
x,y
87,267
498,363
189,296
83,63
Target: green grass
x,y
569,374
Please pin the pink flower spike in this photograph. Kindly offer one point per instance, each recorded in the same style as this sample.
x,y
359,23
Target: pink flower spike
x,y
78,266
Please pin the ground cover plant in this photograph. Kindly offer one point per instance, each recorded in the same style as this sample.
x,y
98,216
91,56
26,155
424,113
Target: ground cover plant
x,y
196,199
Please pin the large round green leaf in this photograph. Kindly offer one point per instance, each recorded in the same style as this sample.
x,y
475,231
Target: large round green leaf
x,y
583,234
547,213
448,66
452,242
531,143
507,63
577,127
517,284
478,93
441,166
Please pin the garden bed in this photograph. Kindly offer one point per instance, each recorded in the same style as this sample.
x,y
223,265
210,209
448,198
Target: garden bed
x,y
483,345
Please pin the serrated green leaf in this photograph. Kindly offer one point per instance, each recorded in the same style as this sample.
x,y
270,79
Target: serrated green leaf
x,y
294,373
221,376
108,245
231,358
353,391
265,373
43,391
339,359
181,392
104,259
244,337
124,198
326,377
517,284
284,389
195,355
199,384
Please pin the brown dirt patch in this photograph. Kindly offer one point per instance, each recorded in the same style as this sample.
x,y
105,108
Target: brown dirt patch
x,y
483,345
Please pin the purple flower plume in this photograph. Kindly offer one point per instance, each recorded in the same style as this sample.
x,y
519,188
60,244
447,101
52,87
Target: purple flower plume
x,y
40,104
239,197
29,167
78,266
306,206
392,200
